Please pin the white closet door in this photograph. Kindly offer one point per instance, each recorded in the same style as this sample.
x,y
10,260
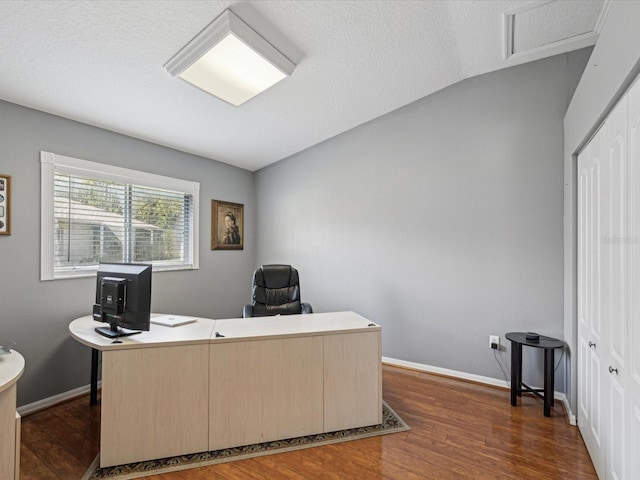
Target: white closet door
x,y
590,331
633,335
615,297
609,293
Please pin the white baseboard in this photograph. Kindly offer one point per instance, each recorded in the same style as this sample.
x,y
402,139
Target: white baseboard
x,y
56,399
445,371
571,418
475,378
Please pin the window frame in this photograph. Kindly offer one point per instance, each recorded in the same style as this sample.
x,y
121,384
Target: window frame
x,y
51,163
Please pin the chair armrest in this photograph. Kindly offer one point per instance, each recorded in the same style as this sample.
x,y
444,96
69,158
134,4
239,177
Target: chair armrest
x,y
247,311
306,308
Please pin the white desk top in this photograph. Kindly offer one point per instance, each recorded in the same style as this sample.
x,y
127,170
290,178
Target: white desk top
x,y
200,331
239,329
233,329
11,368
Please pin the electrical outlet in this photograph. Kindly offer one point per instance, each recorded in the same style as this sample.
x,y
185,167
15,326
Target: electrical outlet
x,y
494,342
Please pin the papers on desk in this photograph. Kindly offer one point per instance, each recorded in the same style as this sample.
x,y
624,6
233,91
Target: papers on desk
x,y
172,320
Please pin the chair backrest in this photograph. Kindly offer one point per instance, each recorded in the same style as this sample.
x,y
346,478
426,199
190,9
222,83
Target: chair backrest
x,y
276,290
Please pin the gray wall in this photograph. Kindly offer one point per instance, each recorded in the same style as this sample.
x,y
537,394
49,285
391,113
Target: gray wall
x,y
442,220
36,314
613,66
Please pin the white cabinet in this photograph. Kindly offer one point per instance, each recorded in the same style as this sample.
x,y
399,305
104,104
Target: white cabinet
x,y
609,292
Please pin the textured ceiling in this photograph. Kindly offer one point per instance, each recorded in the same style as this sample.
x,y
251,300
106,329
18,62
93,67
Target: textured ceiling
x,y
101,63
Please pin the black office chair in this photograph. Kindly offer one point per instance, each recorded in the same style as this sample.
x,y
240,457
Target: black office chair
x,y
276,291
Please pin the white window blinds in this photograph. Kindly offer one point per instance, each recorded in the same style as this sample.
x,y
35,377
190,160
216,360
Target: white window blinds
x,y
94,213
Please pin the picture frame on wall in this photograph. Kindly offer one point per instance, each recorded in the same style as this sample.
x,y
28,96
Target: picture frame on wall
x,y
5,204
227,225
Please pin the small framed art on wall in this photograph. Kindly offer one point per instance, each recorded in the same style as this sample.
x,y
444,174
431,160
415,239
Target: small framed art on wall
x,y
5,204
227,225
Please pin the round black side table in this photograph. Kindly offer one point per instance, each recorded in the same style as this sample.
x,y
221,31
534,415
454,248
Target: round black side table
x,y
549,344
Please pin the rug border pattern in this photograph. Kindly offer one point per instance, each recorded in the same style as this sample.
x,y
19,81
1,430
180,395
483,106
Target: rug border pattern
x,y
196,460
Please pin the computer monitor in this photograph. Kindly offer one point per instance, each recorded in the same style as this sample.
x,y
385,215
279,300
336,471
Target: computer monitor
x,y
123,298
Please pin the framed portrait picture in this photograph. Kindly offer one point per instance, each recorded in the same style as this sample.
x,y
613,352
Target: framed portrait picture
x,y
227,225
5,205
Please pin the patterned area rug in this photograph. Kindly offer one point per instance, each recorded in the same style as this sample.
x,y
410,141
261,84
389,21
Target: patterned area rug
x,y
391,423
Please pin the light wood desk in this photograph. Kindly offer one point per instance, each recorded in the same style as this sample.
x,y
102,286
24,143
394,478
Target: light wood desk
x,y
179,390
11,368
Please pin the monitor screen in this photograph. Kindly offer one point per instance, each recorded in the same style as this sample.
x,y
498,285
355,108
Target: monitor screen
x,y
123,298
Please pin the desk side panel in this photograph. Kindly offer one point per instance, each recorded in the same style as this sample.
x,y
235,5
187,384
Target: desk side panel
x,y
352,380
8,445
18,439
263,390
154,403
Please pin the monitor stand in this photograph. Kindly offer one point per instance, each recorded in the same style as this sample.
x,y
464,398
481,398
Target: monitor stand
x,y
115,332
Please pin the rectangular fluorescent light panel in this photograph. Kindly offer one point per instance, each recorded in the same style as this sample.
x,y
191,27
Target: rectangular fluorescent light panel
x,y
230,60
232,71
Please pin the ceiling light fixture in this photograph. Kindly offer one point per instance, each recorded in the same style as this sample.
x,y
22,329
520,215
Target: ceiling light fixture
x,y
230,60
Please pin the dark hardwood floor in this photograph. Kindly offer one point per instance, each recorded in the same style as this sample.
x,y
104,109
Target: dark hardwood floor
x,y
460,430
